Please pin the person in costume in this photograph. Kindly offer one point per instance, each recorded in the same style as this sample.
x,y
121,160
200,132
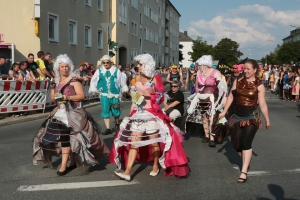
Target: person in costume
x,y
207,101
148,135
110,84
69,129
245,121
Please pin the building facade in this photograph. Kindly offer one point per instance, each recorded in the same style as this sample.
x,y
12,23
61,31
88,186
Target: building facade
x,y
75,27
60,27
146,26
293,37
187,44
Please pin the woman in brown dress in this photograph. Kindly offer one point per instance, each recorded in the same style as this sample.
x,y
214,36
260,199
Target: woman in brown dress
x,y
243,124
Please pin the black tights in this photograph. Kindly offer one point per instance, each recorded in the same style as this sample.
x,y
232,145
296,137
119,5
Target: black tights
x,y
245,137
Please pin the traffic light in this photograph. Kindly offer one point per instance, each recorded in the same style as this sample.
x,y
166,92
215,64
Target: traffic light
x,y
111,53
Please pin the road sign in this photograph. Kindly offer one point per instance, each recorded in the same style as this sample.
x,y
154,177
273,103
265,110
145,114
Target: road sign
x,y
107,27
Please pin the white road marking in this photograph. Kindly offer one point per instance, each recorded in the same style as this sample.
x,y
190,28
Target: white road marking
x,y
293,170
63,186
255,173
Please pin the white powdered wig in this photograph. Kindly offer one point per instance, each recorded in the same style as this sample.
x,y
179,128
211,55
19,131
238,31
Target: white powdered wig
x,y
148,64
62,58
205,60
105,57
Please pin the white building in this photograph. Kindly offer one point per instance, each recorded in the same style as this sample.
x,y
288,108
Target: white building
x,y
293,37
187,43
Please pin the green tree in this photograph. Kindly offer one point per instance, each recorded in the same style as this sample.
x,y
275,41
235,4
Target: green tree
x,y
200,48
228,51
289,52
272,58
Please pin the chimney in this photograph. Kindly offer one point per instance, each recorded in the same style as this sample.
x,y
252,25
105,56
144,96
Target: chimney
x,y
185,33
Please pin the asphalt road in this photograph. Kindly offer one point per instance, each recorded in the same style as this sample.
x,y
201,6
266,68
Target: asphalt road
x,y
274,172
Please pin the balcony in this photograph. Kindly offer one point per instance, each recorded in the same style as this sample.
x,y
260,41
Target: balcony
x,y
167,33
167,50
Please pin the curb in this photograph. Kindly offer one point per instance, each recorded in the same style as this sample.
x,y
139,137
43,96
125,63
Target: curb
x,y
33,117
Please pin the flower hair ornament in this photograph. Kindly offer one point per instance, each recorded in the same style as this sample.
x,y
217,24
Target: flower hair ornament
x,y
148,64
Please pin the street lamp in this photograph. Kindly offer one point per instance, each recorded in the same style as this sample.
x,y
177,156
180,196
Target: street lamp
x,y
297,27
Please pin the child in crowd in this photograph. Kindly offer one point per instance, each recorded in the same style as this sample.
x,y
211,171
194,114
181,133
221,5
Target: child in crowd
x,y
286,91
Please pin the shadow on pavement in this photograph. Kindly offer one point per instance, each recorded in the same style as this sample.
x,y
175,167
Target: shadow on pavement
x,y
277,192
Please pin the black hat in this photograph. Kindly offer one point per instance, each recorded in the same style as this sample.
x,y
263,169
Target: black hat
x,y
2,56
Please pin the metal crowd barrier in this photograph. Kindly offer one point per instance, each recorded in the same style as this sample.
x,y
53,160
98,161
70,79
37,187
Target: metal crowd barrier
x,y
18,97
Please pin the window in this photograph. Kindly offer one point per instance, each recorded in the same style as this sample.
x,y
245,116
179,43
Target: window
x,y
134,4
53,28
122,12
141,46
100,5
134,30
133,54
100,39
141,18
87,36
141,1
72,32
88,3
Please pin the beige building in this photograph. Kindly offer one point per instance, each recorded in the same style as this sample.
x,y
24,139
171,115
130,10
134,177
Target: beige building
x,y
55,26
74,27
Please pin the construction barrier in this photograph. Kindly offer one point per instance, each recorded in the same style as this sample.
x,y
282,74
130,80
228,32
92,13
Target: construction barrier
x,y
16,96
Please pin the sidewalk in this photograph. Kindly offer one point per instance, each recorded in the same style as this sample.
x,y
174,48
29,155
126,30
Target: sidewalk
x,y
34,115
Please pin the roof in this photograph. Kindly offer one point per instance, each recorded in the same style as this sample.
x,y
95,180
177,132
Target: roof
x,y
174,8
184,37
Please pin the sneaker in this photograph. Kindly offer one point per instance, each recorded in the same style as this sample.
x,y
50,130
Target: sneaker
x,y
107,132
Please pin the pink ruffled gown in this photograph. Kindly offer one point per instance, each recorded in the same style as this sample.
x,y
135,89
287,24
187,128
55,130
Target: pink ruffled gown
x,y
172,156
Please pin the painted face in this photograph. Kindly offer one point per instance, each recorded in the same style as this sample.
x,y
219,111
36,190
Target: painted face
x,y
249,71
64,69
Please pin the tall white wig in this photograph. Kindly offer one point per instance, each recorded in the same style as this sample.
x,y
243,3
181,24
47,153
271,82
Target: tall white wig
x,y
205,60
148,64
62,58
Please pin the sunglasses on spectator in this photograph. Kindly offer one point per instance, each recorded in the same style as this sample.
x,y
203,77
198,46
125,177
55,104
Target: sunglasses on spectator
x,y
175,86
105,63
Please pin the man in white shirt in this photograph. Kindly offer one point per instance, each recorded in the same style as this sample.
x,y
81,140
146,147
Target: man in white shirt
x,y
110,83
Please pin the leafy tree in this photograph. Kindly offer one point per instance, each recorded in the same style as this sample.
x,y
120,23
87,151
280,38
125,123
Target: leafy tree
x,y
227,50
272,58
200,48
289,52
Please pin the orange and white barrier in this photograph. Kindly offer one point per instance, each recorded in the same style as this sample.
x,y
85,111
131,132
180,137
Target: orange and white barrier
x,y
16,96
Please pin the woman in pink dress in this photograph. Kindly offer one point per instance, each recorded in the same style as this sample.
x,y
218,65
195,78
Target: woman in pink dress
x,y
148,135
207,102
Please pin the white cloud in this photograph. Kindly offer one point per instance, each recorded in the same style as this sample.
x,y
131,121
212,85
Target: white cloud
x,y
250,26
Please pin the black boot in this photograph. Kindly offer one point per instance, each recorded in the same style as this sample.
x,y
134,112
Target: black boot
x,y
107,132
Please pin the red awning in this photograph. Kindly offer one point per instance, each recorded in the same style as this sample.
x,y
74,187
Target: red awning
x,y
5,45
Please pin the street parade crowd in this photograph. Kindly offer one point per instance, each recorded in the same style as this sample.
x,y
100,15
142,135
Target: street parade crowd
x,y
223,104
154,130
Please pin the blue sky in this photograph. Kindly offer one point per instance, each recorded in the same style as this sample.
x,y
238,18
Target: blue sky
x,y
257,25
